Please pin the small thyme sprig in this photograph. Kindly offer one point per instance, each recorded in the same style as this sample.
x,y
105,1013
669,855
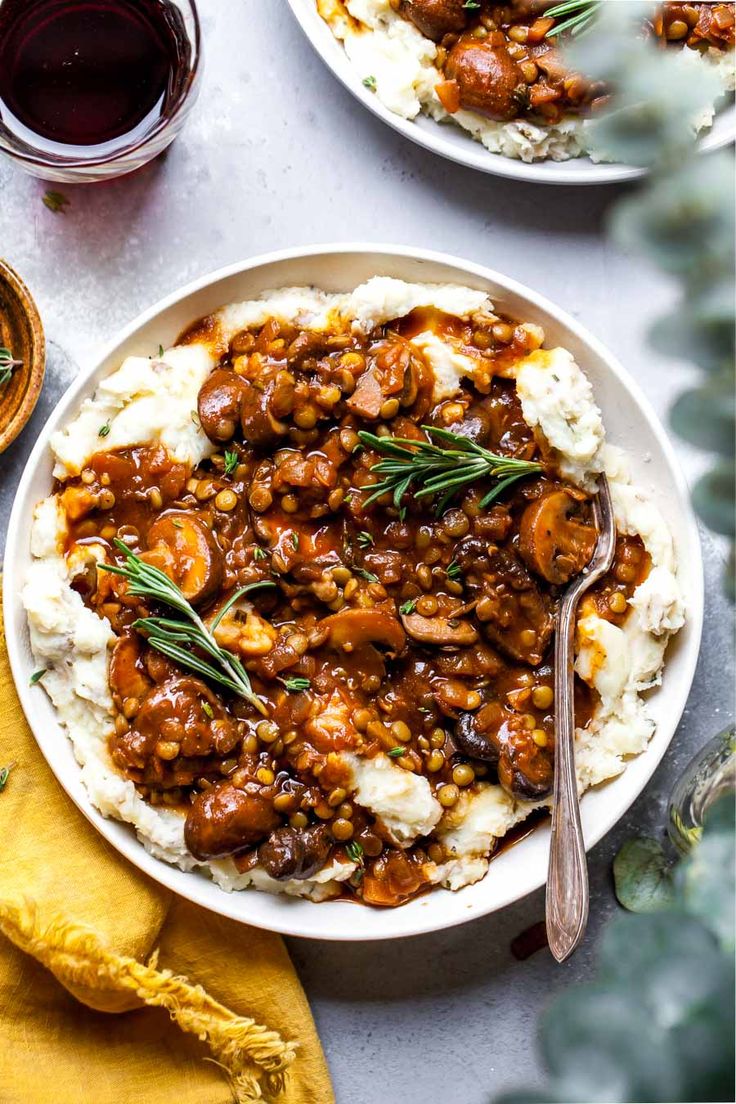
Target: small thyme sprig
x,y
425,468
7,364
175,638
295,684
581,15
355,851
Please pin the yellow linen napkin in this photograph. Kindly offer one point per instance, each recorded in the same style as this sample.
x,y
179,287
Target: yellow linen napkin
x,y
206,1011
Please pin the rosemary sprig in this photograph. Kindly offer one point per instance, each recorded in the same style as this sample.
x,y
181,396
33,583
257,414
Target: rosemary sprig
x,y
176,637
425,468
7,364
581,15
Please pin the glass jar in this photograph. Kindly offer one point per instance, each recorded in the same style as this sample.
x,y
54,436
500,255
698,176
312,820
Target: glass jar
x,y
710,775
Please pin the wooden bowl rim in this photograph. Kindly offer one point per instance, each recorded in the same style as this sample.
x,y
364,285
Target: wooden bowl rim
x,y
33,372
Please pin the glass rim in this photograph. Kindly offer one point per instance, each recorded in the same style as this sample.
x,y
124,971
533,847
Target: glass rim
x,y
59,161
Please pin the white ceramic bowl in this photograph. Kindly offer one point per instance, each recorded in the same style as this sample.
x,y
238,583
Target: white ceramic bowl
x,y
630,424
456,144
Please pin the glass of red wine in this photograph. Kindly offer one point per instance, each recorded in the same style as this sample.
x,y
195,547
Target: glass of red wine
x,y
92,89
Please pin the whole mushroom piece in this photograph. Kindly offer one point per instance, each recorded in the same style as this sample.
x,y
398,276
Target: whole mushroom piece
x,y
489,80
223,820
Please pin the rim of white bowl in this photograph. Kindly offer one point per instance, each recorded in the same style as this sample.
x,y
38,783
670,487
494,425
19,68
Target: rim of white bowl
x,y
290,912
462,148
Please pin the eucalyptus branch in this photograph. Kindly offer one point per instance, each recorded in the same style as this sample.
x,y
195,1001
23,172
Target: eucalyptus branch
x,y
428,469
682,219
177,638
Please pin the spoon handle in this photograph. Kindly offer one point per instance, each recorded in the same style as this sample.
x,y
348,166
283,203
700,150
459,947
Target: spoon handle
x,y
567,878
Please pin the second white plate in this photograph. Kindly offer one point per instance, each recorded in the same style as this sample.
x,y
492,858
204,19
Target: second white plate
x,y
455,144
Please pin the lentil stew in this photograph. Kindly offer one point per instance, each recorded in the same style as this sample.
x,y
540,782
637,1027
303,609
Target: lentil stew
x,y
382,629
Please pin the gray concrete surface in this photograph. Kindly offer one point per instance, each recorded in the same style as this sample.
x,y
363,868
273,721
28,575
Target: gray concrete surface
x,y
277,154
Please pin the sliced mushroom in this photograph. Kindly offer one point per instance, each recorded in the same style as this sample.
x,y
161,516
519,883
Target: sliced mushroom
x,y
487,78
439,630
127,675
553,542
553,65
260,426
188,553
223,820
504,739
218,404
352,627
295,852
436,18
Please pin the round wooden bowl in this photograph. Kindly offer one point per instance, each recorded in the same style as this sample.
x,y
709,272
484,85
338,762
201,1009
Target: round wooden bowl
x,y
21,332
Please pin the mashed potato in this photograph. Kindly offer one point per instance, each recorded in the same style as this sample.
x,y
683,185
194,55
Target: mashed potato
x,y
153,401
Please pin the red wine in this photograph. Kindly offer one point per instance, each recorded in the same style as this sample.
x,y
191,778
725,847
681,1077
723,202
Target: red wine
x,y
88,72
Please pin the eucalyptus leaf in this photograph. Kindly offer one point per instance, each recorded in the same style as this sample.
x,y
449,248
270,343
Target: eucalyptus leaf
x,y
601,1045
593,54
642,876
684,221
700,999
706,879
658,99
658,1025
528,1096
701,329
713,499
632,942
706,416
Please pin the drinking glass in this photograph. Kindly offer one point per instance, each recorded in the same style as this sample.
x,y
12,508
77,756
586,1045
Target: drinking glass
x,y
81,163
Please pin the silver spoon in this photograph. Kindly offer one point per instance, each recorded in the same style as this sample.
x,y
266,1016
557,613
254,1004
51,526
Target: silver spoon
x,y
567,876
